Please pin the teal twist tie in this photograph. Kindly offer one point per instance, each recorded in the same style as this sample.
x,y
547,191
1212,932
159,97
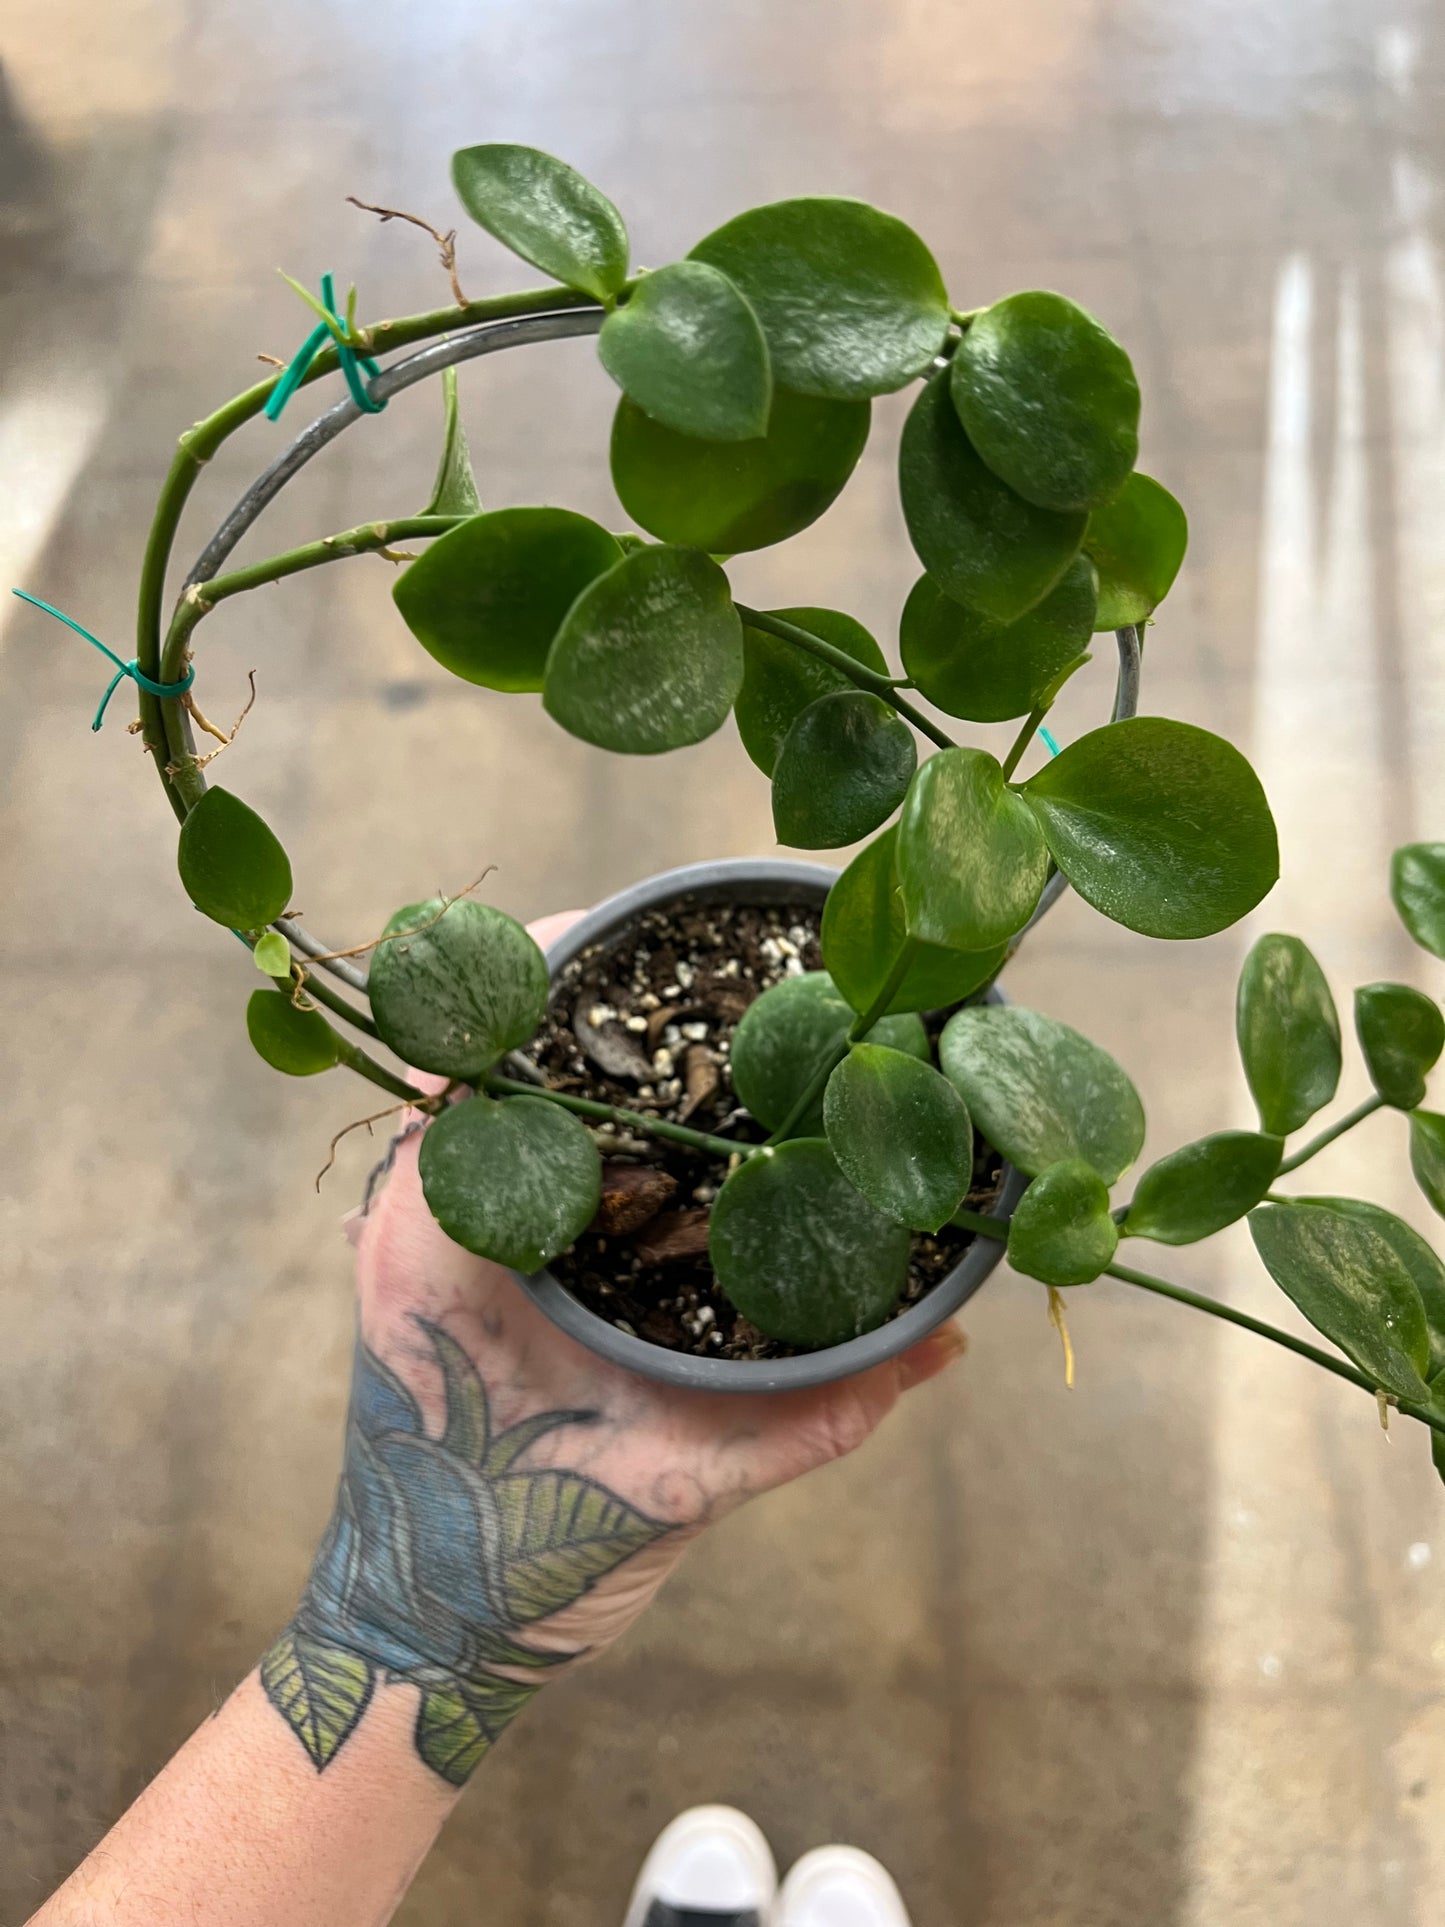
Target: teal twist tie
x,y
122,669
333,328
1049,744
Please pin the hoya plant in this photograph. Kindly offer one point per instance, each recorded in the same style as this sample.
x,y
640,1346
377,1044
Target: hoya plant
x,y
747,373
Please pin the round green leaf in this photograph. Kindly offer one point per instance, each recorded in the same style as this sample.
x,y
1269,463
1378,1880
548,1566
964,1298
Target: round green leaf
x,y
726,497
688,349
1159,825
969,665
971,861
546,212
1049,400
488,597
515,1182
982,543
1062,1232
1200,1188
1427,1155
1401,1033
1417,888
1418,1258
233,868
780,679
863,931
901,1135
850,299
844,767
1137,542
788,1032
1039,1091
1351,1284
453,992
650,657
1289,1034
800,1252
272,955
299,1042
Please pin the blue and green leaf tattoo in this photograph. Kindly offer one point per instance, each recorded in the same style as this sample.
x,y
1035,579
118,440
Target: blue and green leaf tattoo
x,y
438,1553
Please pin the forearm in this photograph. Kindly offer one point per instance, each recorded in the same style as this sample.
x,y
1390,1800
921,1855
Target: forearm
x,y
507,1504
240,1830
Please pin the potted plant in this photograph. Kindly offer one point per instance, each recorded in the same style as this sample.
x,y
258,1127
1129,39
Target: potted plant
x,y
752,1125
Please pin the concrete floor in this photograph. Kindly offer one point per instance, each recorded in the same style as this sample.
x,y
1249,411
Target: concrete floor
x,y
1170,1648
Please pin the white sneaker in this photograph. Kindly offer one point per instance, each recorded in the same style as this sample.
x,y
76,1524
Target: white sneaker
x,y
708,1861
840,1887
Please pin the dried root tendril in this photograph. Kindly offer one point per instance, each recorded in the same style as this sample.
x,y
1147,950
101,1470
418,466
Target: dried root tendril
x,y
414,930
357,1125
446,243
212,729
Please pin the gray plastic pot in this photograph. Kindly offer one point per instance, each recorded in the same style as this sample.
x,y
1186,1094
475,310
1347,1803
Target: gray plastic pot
x,y
758,880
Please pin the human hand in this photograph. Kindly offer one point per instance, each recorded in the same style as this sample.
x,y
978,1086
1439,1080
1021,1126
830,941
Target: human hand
x,y
509,1501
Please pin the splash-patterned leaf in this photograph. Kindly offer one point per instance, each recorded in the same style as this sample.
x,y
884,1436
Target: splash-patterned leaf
x,y
468,1427
320,1690
458,1722
560,1534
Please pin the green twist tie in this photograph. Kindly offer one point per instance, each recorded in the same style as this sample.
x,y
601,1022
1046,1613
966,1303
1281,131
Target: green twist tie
x,y
330,328
122,669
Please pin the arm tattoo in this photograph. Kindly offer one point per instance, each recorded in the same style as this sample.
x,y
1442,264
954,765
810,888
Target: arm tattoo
x,y
440,1551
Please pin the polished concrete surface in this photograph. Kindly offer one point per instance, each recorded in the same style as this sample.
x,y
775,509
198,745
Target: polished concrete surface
x,y
1168,1648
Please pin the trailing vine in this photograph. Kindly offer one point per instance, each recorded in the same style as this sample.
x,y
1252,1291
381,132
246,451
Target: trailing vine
x,y
747,373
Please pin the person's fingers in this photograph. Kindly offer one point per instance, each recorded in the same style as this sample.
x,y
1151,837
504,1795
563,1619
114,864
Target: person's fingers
x,y
793,1433
546,930
930,1356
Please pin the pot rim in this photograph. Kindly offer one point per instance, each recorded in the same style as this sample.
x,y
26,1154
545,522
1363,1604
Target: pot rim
x,y
741,879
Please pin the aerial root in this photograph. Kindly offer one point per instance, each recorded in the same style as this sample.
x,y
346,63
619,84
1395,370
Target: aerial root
x,y
387,936
358,1124
446,243
203,722
1061,1326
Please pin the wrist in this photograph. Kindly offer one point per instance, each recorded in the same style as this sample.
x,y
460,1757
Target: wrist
x,y
323,1689
447,1550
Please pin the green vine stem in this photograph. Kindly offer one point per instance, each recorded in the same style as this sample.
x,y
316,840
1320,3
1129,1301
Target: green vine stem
x,y
366,539
1023,739
318,988
200,443
1146,1282
872,680
615,1114
1347,1123
356,1059
980,1224
986,1227
857,1031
